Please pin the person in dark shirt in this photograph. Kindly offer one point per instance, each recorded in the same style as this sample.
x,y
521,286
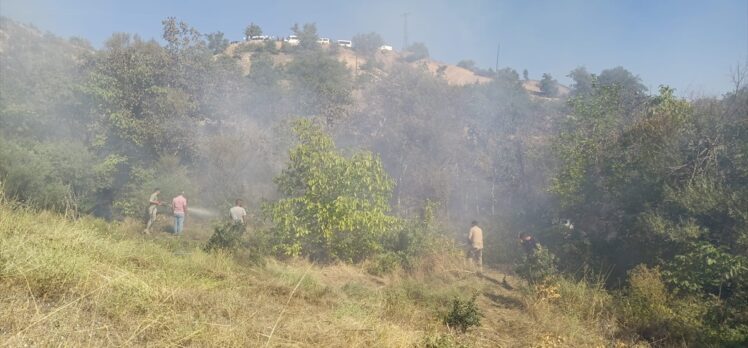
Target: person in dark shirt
x,y
528,243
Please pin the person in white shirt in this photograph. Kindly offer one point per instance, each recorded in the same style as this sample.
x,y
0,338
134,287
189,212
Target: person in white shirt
x,y
238,213
475,240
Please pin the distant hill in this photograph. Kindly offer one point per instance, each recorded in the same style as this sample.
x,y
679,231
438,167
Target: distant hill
x,y
454,75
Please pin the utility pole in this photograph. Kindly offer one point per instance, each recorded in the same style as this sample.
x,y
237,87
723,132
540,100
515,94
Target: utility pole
x,y
498,51
405,30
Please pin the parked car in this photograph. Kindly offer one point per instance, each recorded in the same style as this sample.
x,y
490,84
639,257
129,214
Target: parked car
x,y
345,43
323,41
292,40
385,48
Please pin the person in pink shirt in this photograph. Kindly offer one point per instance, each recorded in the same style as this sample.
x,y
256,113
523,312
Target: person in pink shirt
x,y
179,208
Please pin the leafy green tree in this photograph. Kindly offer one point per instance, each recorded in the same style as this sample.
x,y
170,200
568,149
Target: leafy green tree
x,y
216,42
263,71
180,36
321,84
307,35
333,207
583,81
252,30
525,75
416,51
548,86
631,91
367,44
622,78
54,176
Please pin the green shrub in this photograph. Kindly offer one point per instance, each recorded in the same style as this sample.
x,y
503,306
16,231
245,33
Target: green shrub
x,y
384,263
538,267
463,315
704,268
226,236
333,207
717,281
55,175
437,340
649,310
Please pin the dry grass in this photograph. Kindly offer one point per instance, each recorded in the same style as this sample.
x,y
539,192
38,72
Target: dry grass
x,y
88,283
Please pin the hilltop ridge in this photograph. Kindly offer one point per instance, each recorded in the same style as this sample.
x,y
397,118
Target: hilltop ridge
x,y
452,74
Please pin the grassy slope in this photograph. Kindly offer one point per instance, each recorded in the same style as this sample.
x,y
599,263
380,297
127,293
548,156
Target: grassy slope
x,y
89,283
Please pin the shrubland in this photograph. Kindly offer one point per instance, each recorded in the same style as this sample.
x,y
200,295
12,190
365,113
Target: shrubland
x,y
359,187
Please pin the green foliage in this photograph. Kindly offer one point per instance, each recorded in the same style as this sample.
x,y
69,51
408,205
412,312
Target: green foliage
x,y
706,269
270,47
216,42
168,174
538,267
648,309
322,84
548,86
416,51
226,236
384,263
307,35
179,36
333,207
53,176
463,315
583,81
264,73
252,30
440,341
417,237
367,44
630,85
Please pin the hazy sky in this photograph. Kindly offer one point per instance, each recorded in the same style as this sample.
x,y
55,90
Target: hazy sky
x,y
690,45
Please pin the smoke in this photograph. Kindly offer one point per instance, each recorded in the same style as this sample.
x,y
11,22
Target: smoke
x,y
201,212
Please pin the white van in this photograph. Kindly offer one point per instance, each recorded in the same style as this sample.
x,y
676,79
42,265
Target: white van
x,y
292,40
345,43
385,48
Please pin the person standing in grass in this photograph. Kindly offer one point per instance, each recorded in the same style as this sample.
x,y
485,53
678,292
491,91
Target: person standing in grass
x,y
153,203
238,213
475,243
179,208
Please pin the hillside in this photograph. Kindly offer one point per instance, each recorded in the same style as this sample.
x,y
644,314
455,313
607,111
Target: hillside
x,y
629,203
454,75
88,283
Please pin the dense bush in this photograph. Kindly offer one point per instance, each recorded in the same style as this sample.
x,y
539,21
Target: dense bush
x,y
333,207
226,236
463,314
538,267
55,176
